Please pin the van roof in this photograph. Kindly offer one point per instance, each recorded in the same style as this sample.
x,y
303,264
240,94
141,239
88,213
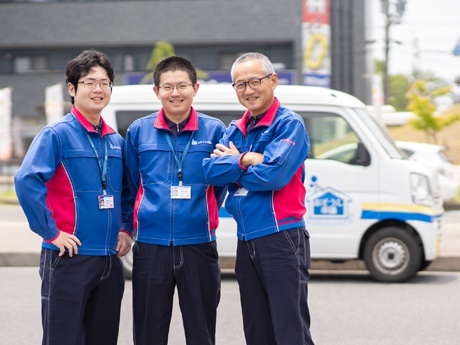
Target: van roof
x,y
223,93
300,94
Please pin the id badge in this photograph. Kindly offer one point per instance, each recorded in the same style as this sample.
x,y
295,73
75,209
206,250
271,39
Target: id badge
x,y
241,192
105,201
181,192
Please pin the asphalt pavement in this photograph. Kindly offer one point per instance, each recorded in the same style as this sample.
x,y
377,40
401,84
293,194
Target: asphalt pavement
x,y
20,247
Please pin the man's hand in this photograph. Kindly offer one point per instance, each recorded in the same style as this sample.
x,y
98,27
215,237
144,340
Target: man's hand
x,y
249,158
222,150
252,158
124,244
69,241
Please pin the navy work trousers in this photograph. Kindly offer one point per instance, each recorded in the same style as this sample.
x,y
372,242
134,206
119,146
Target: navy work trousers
x,y
272,274
81,298
157,270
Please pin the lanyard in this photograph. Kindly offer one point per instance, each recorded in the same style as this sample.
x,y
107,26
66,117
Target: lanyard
x,y
179,162
102,168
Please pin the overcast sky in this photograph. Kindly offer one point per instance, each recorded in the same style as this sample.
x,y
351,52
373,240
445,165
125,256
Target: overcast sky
x,y
433,25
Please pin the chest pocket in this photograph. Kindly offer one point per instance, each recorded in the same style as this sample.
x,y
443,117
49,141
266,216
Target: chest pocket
x,y
85,173
155,161
83,170
114,170
262,141
193,170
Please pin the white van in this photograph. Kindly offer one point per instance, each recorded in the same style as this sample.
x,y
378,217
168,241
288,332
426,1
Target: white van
x,y
365,201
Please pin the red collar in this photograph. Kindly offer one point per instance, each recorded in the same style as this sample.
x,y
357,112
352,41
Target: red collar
x,y
192,125
106,129
266,120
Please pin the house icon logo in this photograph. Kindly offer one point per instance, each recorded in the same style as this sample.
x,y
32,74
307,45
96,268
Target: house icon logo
x,y
328,203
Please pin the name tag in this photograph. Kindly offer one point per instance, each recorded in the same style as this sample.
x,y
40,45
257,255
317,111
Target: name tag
x,y
241,192
105,201
181,192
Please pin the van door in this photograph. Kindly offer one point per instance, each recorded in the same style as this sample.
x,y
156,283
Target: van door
x,y
341,175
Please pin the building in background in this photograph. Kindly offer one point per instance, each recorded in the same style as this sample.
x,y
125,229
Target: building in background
x,y
39,37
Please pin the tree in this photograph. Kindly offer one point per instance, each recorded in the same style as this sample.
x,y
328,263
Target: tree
x,y
399,85
161,50
421,98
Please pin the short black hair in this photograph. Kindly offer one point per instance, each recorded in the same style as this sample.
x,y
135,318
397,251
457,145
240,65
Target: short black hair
x,y
174,63
81,65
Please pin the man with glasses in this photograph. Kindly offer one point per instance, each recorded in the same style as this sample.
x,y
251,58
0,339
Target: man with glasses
x,y
261,159
71,188
176,213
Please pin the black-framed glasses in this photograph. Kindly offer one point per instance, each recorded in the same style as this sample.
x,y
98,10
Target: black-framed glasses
x,y
92,84
179,87
253,83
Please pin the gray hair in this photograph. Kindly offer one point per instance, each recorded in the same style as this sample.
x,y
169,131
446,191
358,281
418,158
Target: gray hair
x,y
267,66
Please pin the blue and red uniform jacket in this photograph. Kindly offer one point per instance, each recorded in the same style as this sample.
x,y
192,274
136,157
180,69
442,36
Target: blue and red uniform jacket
x,y
152,170
59,182
275,197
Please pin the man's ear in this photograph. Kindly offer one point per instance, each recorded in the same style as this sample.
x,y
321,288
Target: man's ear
x,y
156,90
274,80
71,89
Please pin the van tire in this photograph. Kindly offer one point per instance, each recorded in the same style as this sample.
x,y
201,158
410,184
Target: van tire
x,y
424,265
392,255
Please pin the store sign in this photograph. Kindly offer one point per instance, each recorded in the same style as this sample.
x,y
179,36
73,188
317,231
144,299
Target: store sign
x,y
316,42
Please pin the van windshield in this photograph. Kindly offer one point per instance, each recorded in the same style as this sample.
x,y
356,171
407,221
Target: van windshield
x,y
381,134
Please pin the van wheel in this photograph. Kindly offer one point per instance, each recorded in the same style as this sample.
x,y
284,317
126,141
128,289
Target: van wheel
x,y
127,262
424,265
392,255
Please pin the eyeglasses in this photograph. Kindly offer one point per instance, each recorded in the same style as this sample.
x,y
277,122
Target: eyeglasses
x,y
91,84
253,83
179,87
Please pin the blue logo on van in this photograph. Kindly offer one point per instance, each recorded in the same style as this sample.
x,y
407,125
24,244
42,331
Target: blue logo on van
x,y
327,203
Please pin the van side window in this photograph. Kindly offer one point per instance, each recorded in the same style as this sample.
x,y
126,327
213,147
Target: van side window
x,y
225,116
125,118
332,138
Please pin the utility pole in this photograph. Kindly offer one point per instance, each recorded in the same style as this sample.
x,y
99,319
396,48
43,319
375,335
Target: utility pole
x,y
416,64
386,79
391,17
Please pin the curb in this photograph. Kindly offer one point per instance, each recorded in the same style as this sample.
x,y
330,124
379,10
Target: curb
x,y
451,206
8,201
19,259
441,264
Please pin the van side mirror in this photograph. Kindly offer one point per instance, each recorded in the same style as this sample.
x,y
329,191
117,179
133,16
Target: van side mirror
x,y
361,156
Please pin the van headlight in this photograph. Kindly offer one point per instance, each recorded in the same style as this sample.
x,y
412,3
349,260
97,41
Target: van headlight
x,y
420,188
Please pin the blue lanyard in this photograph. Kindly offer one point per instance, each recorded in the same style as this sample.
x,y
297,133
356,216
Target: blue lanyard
x,y
102,168
179,162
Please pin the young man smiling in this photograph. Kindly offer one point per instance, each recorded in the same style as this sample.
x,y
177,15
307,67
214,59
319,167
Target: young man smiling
x,y
71,188
176,212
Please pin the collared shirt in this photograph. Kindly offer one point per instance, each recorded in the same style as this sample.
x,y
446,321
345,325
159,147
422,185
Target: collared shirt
x,y
254,121
176,128
98,127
